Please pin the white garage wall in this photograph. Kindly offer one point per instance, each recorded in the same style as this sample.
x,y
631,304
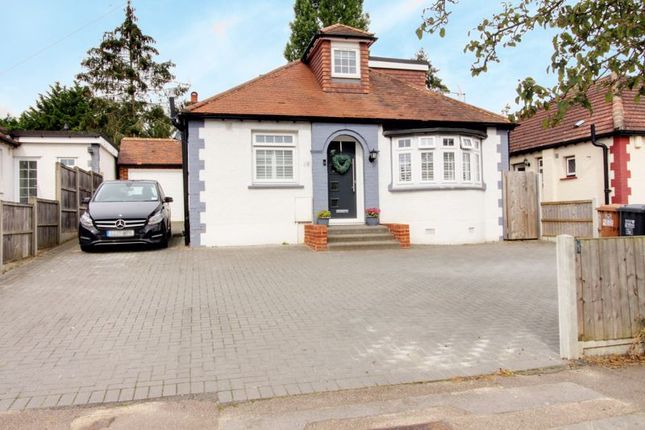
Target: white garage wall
x,y
171,180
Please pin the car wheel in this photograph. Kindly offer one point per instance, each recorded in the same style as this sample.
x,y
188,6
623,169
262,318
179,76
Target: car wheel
x,y
86,248
164,243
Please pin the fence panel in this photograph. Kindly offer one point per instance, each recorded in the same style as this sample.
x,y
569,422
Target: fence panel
x,y
67,193
521,206
16,231
575,218
48,221
611,277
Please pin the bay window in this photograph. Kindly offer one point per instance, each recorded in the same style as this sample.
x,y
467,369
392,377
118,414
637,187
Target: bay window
x,y
429,161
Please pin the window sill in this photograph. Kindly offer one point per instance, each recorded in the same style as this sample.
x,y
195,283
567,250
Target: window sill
x,y
444,187
568,178
275,186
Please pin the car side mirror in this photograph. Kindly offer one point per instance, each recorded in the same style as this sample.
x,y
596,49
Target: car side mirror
x,y
86,200
167,199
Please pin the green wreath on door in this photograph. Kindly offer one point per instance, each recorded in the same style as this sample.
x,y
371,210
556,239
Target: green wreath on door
x,y
341,162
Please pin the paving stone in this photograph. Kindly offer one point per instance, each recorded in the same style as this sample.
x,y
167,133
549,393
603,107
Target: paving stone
x,y
279,319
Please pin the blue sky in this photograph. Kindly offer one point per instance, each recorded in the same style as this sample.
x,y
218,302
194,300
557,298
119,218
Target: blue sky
x,y
220,43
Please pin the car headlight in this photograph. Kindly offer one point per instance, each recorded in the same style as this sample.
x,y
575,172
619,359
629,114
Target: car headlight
x,y
156,218
86,220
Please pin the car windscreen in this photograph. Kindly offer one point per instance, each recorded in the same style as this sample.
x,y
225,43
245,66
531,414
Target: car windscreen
x,y
127,192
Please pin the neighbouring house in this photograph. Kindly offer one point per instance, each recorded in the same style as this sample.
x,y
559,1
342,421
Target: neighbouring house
x,y
28,160
343,131
571,167
7,148
158,159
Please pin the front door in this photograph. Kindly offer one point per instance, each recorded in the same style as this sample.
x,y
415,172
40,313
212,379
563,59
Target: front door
x,y
341,179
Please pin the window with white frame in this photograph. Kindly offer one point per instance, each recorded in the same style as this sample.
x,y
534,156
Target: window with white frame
x,y
27,179
345,60
405,167
570,165
437,160
274,158
69,162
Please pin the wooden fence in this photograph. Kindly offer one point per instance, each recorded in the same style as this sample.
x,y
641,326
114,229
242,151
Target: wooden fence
x,y
72,186
27,228
521,217
576,218
602,283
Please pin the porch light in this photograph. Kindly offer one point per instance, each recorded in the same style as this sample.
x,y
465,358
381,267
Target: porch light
x,y
373,155
526,163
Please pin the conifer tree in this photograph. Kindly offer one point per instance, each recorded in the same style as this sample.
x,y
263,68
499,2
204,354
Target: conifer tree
x,y
433,81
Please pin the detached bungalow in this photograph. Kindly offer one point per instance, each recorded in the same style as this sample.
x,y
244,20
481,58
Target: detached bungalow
x,y
343,131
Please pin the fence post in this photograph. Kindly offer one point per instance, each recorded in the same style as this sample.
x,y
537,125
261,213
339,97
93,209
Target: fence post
x,y
567,305
77,183
33,201
1,237
594,217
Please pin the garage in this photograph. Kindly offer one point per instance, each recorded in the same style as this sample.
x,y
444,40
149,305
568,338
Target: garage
x,y
159,160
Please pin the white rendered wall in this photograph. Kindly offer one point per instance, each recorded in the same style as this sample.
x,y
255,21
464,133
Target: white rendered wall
x,y
588,183
236,214
46,155
6,172
445,216
172,183
107,165
636,165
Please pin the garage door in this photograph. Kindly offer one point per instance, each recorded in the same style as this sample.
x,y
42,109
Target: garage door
x,y
171,181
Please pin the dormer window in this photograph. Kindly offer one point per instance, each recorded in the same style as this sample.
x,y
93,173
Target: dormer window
x,y
345,59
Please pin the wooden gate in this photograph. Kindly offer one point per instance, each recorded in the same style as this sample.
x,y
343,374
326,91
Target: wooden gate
x,y
521,206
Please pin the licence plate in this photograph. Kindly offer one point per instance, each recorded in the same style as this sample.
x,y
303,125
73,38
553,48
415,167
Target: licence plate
x,y
120,233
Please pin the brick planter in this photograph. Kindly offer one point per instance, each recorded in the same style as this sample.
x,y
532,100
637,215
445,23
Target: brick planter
x,y
316,236
401,232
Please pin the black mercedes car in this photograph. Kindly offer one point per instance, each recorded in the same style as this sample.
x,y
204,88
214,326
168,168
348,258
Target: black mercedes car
x,y
126,212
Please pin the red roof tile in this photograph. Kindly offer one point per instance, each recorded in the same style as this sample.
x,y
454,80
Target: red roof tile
x,y
144,151
293,91
531,134
344,30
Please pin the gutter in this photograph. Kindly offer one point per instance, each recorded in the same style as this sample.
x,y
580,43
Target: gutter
x,y
578,140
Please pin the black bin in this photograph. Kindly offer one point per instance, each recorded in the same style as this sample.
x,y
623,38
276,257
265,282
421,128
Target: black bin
x,y
632,220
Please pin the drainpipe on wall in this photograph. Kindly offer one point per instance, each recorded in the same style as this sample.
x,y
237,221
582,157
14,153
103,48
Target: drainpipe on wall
x,y
181,124
605,161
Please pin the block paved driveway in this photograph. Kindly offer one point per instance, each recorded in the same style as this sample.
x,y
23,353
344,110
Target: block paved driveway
x,y
256,322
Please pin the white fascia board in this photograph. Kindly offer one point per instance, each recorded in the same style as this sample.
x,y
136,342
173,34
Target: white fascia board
x,y
399,66
81,140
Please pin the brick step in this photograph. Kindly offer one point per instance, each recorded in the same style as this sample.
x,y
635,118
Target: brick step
x,y
364,245
376,236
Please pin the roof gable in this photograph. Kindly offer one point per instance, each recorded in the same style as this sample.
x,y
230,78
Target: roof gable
x,y
292,91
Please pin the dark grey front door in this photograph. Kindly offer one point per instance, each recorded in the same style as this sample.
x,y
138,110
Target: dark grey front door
x,y
341,180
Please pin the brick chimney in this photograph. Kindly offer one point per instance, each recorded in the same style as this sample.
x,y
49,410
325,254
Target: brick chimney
x,y
338,56
193,97
413,72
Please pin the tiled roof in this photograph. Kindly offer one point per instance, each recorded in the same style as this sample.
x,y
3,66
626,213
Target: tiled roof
x,y
293,91
143,151
5,137
344,30
531,134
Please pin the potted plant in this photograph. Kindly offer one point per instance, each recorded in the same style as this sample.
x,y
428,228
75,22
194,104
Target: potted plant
x,y
371,216
323,217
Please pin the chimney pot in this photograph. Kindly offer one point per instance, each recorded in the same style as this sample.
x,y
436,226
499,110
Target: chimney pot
x,y
193,97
